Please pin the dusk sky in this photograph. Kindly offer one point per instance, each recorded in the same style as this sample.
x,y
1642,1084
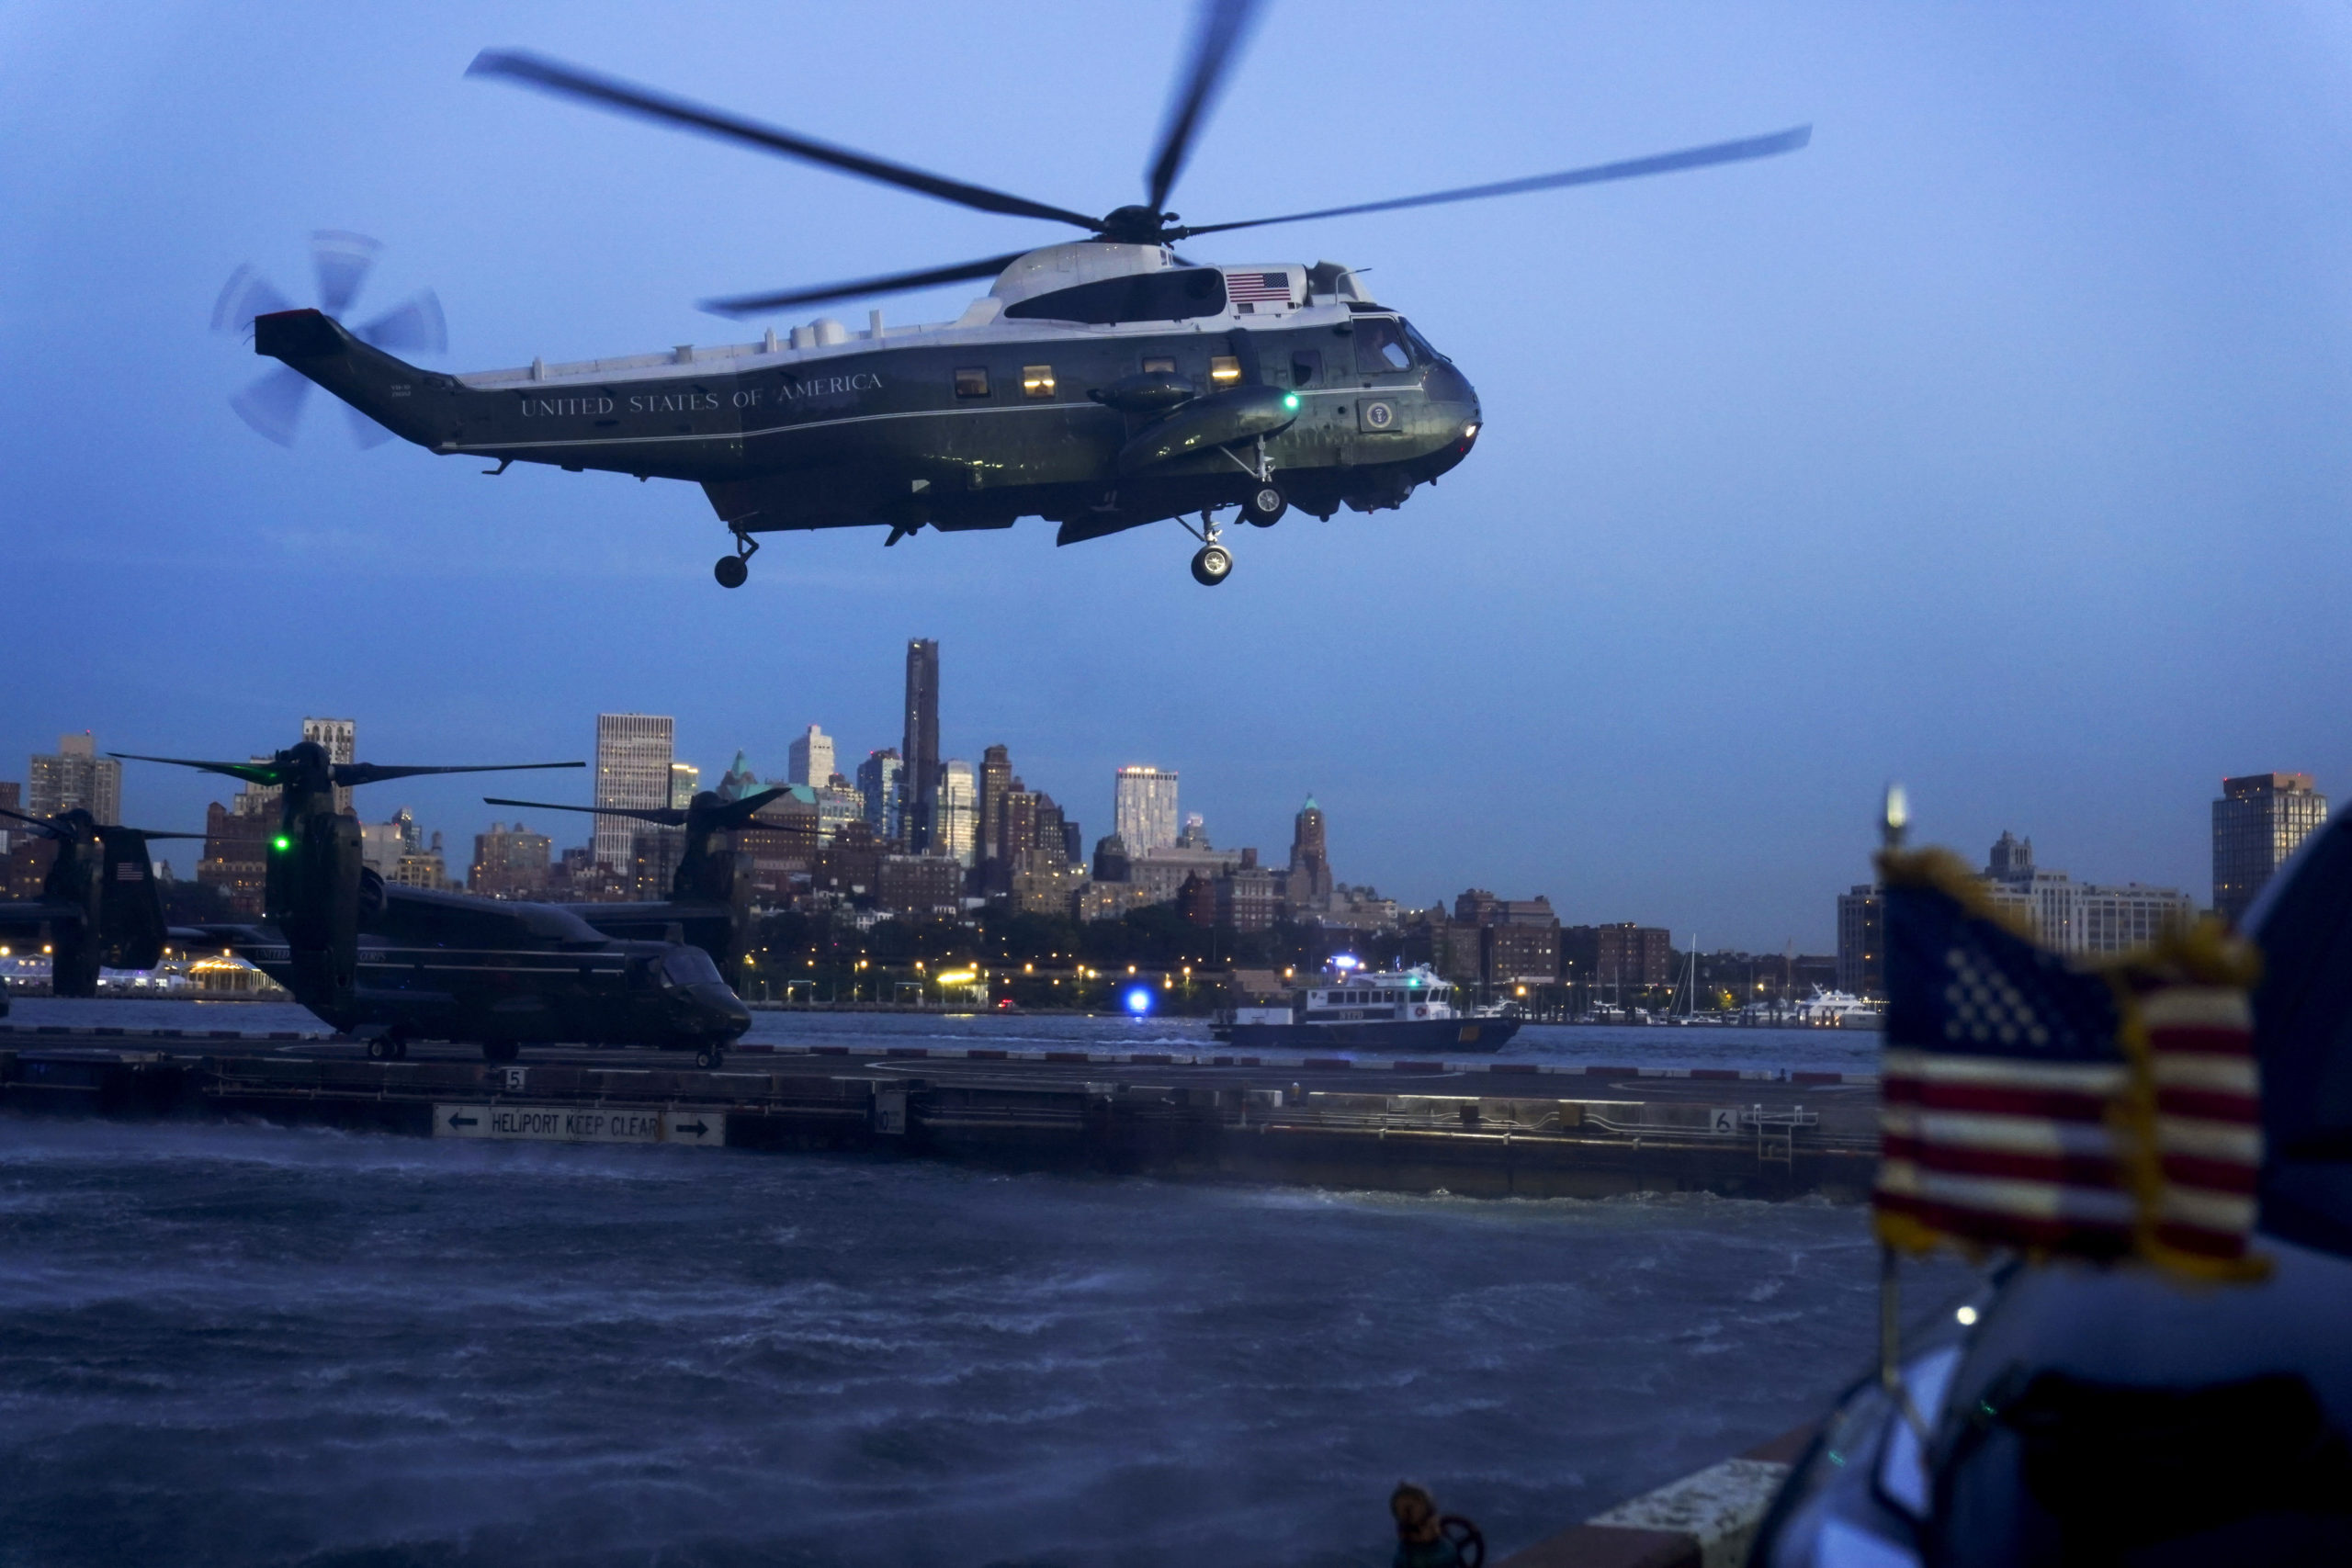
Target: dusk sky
x,y
1995,443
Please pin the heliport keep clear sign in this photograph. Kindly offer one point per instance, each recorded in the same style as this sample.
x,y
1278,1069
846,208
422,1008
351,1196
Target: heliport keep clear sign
x,y
580,1125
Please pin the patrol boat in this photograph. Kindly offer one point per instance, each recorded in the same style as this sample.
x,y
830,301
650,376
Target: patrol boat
x,y
1359,1009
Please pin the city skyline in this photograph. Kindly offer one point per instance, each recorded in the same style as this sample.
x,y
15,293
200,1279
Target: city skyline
x,y
1960,449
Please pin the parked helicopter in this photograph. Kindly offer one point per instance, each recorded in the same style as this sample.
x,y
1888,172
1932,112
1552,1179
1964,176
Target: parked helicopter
x,y
710,899
1102,384
390,964
99,906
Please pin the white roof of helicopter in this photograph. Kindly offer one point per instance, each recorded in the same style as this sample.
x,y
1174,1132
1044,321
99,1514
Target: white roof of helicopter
x,y
1257,293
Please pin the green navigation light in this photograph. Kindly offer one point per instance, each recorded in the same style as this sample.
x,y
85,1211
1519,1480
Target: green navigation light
x,y
282,842
1290,399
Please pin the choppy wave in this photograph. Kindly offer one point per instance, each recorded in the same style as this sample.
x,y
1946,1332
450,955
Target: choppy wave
x,y
244,1346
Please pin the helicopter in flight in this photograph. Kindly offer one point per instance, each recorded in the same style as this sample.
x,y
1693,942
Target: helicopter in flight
x,y
1102,384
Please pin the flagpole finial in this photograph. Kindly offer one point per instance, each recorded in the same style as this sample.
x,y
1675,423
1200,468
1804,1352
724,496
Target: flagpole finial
x,y
1895,816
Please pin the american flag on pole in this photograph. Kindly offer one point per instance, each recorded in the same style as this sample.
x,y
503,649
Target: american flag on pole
x,y
2001,1068
2034,1104
1257,286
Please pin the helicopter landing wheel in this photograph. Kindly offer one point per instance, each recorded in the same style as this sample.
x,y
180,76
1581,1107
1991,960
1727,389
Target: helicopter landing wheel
x,y
381,1049
734,570
1265,506
709,1057
1212,564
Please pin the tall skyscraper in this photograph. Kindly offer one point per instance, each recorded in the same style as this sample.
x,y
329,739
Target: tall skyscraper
x,y
1309,886
956,812
340,736
1143,809
920,746
2257,823
811,758
686,781
75,775
878,779
996,783
633,756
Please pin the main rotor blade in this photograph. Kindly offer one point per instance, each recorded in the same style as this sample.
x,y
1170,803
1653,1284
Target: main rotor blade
x,y
893,283
416,326
342,260
41,825
366,434
273,405
1631,168
247,293
662,816
264,774
1217,37
346,775
571,81
103,828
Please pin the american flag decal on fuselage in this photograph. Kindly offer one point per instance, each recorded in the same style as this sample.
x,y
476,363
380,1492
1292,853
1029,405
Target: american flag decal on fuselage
x,y
1251,286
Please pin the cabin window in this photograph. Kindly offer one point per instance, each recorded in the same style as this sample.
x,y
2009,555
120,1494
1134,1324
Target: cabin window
x,y
1159,364
1305,365
1380,347
1225,370
1036,380
972,382
1179,294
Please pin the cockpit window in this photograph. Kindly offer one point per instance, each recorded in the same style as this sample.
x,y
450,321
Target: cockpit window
x,y
689,967
1380,347
1421,349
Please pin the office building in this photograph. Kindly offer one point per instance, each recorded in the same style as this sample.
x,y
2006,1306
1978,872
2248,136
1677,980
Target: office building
x,y
1620,957
1861,940
1308,886
878,781
996,783
1143,809
955,813
810,757
1249,898
510,863
339,738
236,856
838,806
2079,918
2257,823
75,777
685,783
634,751
918,747
918,885
381,844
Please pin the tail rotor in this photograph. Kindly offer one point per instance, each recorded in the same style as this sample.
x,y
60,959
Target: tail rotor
x,y
273,405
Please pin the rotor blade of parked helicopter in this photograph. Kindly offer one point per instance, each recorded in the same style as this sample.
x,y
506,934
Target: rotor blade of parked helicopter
x,y
41,825
1631,168
661,815
1218,35
416,326
571,81
103,828
893,283
342,259
247,293
346,775
264,774
273,405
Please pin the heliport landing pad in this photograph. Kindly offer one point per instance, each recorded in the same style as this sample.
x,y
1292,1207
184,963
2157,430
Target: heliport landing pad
x,y
577,1124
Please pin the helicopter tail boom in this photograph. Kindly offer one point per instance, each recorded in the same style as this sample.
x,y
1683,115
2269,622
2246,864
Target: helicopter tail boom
x,y
378,385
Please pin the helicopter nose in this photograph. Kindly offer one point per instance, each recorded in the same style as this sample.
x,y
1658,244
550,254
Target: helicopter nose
x,y
724,1008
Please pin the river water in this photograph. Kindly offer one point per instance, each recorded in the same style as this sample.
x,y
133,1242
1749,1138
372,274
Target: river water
x,y
250,1344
